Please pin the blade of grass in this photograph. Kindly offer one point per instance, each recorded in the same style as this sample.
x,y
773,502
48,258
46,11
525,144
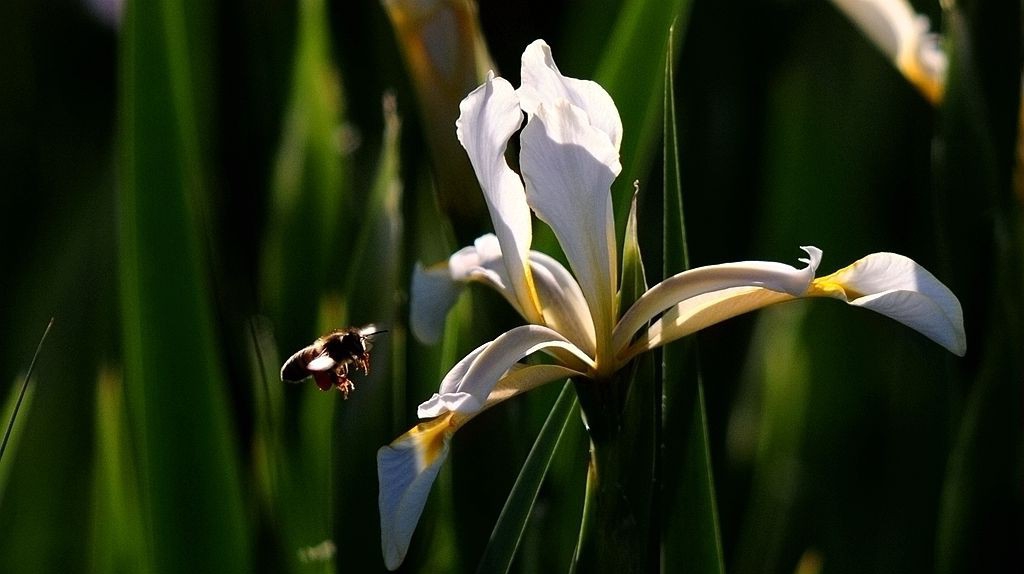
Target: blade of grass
x,y
372,279
980,507
310,202
173,368
630,70
514,515
24,387
119,542
690,536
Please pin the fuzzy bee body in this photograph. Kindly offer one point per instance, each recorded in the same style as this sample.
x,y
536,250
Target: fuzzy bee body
x,y
331,357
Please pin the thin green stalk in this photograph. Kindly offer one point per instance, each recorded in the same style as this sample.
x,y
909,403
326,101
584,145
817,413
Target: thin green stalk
x,y
508,531
24,387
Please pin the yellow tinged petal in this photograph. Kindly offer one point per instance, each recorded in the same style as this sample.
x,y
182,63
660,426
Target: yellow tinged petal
x,y
700,312
899,288
902,35
408,466
490,116
681,287
406,470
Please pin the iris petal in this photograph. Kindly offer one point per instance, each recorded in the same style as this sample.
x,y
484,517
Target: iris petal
x,y
696,313
899,288
432,295
490,115
543,83
478,374
406,469
682,286
569,166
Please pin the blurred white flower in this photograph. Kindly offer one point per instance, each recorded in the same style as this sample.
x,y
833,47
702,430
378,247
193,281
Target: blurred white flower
x,y
569,156
904,37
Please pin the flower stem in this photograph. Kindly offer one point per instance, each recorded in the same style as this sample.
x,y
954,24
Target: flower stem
x,y
616,535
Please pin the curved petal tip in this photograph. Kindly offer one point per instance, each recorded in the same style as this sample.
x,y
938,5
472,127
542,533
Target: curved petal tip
x,y
897,287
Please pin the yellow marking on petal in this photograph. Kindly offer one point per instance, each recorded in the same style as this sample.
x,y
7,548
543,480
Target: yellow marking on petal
x,y
534,313
825,288
428,439
832,285
932,87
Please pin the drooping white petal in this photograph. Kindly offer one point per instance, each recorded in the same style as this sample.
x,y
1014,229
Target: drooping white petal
x,y
897,287
490,115
680,287
700,312
436,289
406,469
449,398
562,302
484,262
569,166
408,466
432,295
542,83
479,373
523,378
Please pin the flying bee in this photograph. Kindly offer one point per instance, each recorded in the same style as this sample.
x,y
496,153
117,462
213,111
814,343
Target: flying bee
x,y
329,359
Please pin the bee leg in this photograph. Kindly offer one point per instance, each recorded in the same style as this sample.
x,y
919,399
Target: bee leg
x,y
345,386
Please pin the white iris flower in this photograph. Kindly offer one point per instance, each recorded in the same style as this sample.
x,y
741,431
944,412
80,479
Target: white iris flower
x,y
569,157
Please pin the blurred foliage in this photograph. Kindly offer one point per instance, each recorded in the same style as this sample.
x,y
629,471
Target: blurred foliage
x,y
194,191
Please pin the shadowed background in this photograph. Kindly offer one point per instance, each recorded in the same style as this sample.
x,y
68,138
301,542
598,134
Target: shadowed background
x,y
196,190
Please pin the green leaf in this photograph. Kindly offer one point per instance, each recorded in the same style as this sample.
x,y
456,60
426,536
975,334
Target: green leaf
x,y
173,371
634,280
690,537
980,505
512,522
307,225
118,538
630,69
373,279
23,396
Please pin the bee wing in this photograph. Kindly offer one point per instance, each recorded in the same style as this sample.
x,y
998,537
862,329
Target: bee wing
x,y
368,331
295,368
322,363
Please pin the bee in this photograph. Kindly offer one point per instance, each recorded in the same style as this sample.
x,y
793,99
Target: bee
x,y
329,359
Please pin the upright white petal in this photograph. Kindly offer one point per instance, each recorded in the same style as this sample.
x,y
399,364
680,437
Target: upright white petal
x,y
490,115
542,83
467,386
897,287
680,287
569,167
